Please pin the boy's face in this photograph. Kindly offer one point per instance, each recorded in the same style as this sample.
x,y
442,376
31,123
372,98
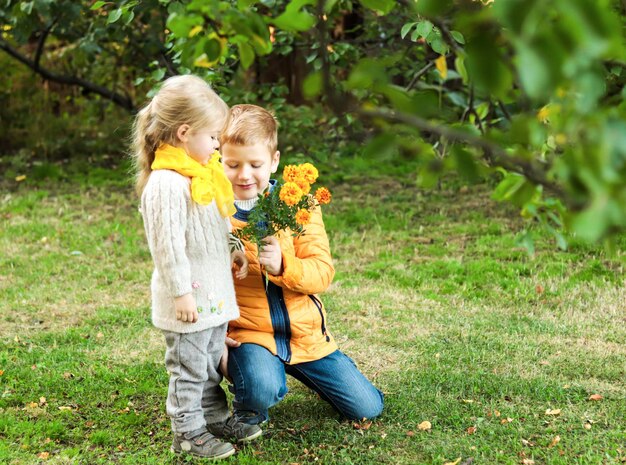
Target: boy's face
x,y
249,167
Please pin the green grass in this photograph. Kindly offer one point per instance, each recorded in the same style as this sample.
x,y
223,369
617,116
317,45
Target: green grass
x,y
432,298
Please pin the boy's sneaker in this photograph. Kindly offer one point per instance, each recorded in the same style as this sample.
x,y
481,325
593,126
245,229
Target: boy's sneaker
x,y
234,428
202,444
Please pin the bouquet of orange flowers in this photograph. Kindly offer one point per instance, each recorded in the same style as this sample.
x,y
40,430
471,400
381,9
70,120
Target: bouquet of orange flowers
x,y
286,206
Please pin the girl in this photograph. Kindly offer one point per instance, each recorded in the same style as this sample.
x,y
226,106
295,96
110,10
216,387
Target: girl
x,y
186,201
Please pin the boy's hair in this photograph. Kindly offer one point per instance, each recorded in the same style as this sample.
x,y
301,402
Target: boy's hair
x,y
180,100
250,125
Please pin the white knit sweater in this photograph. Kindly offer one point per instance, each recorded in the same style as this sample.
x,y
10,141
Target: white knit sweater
x,y
189,247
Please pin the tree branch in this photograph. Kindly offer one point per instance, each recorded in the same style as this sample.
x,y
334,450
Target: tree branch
x,y
494,155
120,100
419,74
42,41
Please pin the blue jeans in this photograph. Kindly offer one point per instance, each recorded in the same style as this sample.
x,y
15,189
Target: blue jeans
x,y
260,382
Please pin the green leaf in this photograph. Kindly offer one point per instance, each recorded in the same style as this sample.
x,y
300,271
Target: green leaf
x,y
511,183
243,4
526,241
295,20
439,46
406,28
27,7
97,5
213,49
180,25
312,85
380,147
458,37
465,163
433,8
128,17
114,16
246,54
486,68
459,65
424,28
383,6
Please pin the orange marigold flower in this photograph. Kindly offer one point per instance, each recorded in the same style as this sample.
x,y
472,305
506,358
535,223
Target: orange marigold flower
x,y
323,196
291,173
290,193
303,185
303,216
309,172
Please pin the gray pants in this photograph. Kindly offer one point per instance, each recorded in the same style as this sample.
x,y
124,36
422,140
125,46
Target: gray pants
x,y
195,397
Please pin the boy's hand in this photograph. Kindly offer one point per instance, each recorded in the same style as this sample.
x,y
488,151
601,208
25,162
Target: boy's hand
x,y
271,257
239,263
186,309
224,360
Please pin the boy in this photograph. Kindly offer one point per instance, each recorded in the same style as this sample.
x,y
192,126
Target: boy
x,y
282,328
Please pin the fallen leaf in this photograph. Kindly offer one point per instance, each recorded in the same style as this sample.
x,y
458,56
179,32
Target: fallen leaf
x,y
20,178
42,401
528,462
63,407
595,397
453,463
496,413
383,435
556,411
587,426
410,433
424,426
468,401
504,421
539,289
471,430
33,405
544,362
362,425
555,441
44,455
68,375
527,443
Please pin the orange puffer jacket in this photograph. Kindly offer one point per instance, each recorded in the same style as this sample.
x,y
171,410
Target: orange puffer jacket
x,y
288,319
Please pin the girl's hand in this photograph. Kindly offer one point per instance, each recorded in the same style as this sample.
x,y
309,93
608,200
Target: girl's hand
x,y
271,257
239,263
186,308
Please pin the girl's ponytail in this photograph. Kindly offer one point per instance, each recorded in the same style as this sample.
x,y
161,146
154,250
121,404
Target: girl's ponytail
x,y
145,140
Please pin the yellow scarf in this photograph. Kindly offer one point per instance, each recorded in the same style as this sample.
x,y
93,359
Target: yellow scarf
x,y
208,182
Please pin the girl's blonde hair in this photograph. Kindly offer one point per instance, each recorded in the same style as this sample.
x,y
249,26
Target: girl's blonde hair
x,y
180,100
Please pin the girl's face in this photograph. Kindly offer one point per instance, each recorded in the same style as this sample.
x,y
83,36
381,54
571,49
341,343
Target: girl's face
x,y
248,168
199,144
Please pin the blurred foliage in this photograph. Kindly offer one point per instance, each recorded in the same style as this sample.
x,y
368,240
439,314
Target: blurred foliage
x,y
527,92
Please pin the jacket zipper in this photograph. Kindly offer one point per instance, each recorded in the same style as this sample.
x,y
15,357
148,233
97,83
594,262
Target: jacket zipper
x,y
318,304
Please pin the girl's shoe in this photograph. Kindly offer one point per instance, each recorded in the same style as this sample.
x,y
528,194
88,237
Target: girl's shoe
x,y
234,428
201,443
